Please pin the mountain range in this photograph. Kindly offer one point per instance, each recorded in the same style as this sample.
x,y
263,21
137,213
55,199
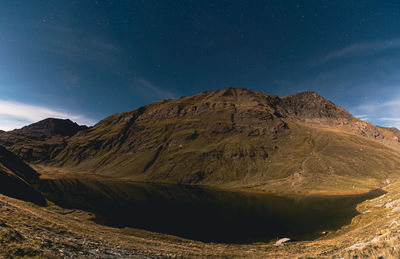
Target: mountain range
x,y
232,138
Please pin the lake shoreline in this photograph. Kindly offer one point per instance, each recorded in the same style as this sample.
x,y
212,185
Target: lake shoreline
x,y
368,236
204,213
54,173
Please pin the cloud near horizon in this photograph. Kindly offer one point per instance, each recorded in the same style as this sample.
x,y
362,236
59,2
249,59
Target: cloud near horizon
x,y
361,49
145,88
383,114
15,115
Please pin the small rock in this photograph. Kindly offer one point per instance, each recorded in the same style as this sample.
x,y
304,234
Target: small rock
x,y
392,204
282,241
324,232
359,245
394,222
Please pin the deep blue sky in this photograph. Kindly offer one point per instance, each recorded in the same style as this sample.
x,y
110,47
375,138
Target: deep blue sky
x,y
89,59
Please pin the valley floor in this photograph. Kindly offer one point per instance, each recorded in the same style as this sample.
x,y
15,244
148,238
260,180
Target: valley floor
x,y
27,230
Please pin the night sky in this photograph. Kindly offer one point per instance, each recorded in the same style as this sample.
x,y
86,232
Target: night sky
x,y
88,59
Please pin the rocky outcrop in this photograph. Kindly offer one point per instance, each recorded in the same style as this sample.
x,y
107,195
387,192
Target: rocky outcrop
x,y
313,107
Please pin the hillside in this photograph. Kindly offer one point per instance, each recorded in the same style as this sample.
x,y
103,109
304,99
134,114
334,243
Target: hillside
x,y
39,141
238,138
394,130
16,178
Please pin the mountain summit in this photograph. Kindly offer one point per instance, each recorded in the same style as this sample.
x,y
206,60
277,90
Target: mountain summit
x,y
51,127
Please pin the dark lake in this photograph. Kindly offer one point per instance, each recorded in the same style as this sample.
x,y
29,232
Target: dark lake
x,y
205,214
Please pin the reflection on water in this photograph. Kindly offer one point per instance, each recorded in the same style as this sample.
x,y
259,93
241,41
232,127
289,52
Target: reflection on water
x,y
205,214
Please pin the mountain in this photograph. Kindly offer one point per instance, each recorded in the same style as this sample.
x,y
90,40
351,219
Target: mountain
x,y
17,178
238,138
50,127
41,140
394,130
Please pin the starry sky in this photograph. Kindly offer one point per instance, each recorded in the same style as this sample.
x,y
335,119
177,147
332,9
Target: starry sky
x,y
86,60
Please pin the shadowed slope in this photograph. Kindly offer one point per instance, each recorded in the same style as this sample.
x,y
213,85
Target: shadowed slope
x,y
16,178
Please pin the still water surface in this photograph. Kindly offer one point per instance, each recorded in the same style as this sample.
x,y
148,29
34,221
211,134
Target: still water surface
x,y
205,214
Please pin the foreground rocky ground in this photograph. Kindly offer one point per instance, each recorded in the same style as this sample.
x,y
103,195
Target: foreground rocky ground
x,y
28,230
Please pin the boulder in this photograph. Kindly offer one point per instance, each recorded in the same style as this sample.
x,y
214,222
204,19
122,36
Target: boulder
x,y
282,241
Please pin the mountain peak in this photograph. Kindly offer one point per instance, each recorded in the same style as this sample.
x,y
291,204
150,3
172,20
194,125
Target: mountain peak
x,y
36,141
54,126
306,93
311,105
306,96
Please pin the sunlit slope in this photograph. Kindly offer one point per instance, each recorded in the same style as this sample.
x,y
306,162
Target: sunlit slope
x,y
237,138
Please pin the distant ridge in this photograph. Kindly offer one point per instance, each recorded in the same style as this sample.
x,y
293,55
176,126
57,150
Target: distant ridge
x,y
394,130
51,127
39,141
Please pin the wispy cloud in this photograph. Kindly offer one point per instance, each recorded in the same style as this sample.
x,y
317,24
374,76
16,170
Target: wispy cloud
x,y
77,45
384,114
362,49
146,88
363,117
373,107
390,119
16,114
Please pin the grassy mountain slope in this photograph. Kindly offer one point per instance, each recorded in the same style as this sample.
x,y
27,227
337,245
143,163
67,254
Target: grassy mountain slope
x,y
237,138
16,178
